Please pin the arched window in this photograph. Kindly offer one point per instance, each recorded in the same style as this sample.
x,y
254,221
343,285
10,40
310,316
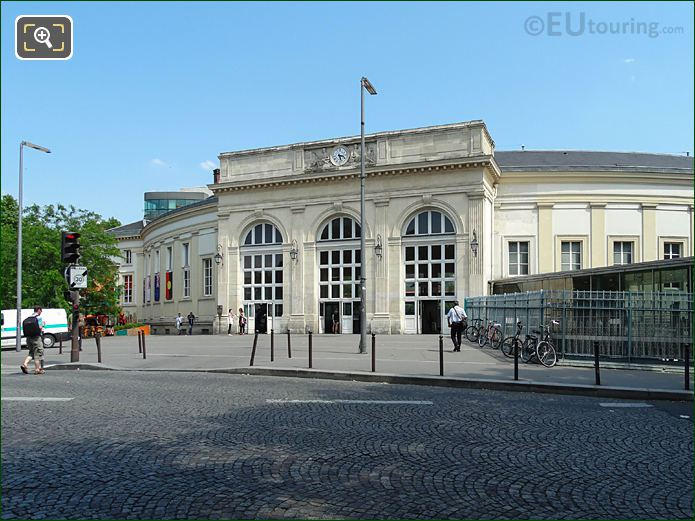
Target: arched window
x,y
340,269
262,234
430,222
262,266
340,229
429,271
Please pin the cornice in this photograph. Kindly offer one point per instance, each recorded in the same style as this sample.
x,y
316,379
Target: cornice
x,y
628,176
298,179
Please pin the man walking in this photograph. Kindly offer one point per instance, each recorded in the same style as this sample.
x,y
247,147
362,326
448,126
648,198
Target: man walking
x,y
179,324
191,319
33,330
455,318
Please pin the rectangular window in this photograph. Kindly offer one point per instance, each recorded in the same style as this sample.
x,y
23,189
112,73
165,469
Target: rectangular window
x,y
571,253
622,252
518,258
127,289
128,256
185,258
672,250
207,277
186,283
169,258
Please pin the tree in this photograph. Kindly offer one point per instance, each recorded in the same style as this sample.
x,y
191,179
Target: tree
x,y
43,281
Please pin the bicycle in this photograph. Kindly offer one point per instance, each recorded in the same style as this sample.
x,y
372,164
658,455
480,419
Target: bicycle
x,y
492,334
473,331
511,343
545,350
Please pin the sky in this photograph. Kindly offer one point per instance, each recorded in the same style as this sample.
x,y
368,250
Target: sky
x,y
155,91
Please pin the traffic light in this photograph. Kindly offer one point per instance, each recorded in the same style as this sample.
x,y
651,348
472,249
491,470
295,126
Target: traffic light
x,y
70,247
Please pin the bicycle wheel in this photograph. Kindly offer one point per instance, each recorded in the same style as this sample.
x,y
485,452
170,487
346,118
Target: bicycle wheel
x,y
528,351
472,334
496,340
546,354
508,346
482,338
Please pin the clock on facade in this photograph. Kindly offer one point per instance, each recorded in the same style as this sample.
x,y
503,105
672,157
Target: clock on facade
x,y
340,156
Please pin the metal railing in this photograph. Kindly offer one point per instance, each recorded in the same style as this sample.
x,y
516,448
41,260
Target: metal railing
x,y
629,326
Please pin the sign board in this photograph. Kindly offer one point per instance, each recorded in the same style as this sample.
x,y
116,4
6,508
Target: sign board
x,y
77,277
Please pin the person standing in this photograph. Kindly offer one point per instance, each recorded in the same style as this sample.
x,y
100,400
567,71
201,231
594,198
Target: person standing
x,y
336,323
455,318
33,331
230,321
191,319
179,324
242,322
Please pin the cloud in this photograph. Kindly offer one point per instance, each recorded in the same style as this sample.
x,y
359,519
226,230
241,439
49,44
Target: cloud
x,y
158,162
629,60
208,165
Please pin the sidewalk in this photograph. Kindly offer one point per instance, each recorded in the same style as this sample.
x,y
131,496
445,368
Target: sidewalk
x,y
395,354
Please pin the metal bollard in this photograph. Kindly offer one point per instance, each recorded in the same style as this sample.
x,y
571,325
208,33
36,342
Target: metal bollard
x,y
596,365
441,355
310,350
516,360
253,351
144,350
272,345
686,385
139,341
97,339
373,353
289,345
60,346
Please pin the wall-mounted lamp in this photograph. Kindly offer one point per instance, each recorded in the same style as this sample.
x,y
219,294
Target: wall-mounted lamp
x,y
474,244
294,252
218,255
378,248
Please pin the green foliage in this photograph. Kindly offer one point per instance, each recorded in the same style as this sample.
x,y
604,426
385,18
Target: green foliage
x,y
43,282
128,326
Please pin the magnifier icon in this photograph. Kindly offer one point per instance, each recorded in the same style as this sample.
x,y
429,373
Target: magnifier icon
x,y
43,35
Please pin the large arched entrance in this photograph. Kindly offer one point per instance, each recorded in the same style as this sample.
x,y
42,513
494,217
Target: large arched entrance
x,y
262,264
340,265
429,250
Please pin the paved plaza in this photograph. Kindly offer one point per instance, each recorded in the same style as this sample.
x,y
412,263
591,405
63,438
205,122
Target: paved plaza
x,y
396,354
135,445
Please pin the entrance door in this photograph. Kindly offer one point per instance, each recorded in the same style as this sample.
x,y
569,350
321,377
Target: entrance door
x,y
430,317
356,316
261,318
346,319
331,314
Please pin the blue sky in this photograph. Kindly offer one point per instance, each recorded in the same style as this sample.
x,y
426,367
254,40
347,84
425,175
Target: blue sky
x,y
155,91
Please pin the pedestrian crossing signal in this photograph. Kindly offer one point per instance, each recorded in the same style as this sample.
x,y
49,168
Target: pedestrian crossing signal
x,y
70,247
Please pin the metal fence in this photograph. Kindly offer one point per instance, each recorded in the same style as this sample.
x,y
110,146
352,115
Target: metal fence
x,y
629,326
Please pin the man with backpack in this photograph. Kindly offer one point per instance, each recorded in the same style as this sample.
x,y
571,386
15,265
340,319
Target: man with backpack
x,y
32,329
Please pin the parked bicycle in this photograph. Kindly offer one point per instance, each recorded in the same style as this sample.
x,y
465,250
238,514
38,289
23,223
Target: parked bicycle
x,y
511,343
492,334
473,331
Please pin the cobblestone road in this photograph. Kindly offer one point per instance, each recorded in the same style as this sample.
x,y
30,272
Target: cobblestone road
x,y
182,445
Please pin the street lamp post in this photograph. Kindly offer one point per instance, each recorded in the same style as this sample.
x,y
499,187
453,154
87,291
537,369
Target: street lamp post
x,y
18,345
364,84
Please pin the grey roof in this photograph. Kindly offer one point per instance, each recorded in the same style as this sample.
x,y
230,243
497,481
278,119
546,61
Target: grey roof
x,y
580,160
127,230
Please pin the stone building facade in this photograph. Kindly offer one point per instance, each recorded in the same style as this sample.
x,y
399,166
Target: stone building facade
x,y
280,236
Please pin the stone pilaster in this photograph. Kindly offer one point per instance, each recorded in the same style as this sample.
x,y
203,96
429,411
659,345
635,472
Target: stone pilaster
x,y
381,319
545,237
476,216
650,242
598,235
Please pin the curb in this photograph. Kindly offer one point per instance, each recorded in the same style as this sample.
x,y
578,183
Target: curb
x,y
632,393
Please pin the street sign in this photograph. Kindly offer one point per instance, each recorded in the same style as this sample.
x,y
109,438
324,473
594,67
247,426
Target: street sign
x,y
77,277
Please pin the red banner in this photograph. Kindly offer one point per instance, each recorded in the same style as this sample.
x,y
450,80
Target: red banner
x,y
169,293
